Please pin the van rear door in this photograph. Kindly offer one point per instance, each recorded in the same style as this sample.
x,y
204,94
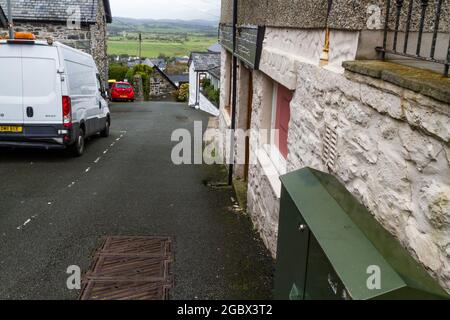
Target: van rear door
x,y
11,101
42,98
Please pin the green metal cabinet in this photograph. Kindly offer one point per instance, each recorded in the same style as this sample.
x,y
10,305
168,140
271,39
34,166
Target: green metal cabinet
x,y
330,247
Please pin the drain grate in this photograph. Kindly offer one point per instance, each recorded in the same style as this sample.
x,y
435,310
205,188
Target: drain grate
x,y
130,268
109,290
151,246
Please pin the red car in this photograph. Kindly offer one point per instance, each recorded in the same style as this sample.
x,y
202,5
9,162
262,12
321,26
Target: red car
x,y
122,91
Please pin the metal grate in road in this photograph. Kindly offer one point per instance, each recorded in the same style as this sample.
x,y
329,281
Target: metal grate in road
x,y
130,268
122,290
151,246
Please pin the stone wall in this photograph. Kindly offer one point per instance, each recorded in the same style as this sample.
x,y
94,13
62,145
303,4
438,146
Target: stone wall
x,y
225,100
392,149
76,38
241,120
393,154
263,200
99,43
160,87
138,88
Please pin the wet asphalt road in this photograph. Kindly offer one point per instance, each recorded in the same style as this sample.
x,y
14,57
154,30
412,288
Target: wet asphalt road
x,y
55,211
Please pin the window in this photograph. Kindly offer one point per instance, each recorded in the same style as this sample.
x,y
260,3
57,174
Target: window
x,y
275,117
123,86
281,115
228,81
81,79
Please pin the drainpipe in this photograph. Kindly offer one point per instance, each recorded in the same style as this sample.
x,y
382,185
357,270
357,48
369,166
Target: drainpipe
x,y
10,20
324,58
197,89
234,93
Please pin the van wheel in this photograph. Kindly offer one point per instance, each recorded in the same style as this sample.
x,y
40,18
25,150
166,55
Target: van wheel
x,y
105,132
77,149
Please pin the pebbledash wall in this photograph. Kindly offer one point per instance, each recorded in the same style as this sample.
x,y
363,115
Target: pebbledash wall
x,y
391,144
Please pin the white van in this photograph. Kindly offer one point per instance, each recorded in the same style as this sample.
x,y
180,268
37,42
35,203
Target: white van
x,y
50,96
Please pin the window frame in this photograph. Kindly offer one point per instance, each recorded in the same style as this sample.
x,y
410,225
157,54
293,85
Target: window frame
x,y
272,149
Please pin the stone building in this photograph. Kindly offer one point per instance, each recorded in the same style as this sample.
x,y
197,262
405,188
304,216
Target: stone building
x,y
81,24
161,86
312,86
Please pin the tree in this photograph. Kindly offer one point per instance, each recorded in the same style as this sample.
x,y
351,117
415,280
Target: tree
x,y
117,71
145,72
182,94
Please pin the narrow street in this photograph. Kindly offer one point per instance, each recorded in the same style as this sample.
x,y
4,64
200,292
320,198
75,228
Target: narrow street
x,y
55,211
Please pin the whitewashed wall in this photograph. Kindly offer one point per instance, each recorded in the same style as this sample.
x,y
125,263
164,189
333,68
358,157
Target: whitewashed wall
x,y
192,85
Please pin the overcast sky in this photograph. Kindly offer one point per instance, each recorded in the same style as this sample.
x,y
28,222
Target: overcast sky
x,y
167,9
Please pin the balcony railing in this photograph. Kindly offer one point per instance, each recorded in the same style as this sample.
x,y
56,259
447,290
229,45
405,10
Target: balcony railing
x,y
427,23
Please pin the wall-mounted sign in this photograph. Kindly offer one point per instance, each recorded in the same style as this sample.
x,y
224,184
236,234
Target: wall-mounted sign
x,y
249,41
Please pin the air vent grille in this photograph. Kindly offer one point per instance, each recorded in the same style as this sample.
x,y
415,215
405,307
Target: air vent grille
x,y
330,147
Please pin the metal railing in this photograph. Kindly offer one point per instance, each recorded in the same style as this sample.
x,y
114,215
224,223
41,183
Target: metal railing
x,y
398,6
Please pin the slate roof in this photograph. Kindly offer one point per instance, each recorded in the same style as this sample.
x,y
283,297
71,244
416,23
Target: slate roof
x,y
205,61
215,72
165,76
56,10
3,19
161,63
215,48
179,78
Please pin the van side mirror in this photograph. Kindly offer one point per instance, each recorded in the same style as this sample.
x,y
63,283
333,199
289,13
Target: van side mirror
x,y
103,93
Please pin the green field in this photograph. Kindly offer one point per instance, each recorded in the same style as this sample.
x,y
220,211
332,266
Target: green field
x,y
153,48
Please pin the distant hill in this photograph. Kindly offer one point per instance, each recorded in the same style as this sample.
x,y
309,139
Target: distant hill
x,y
121,24
172,38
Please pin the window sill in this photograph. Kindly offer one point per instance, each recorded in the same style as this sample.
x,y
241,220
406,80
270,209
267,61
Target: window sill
x,y
226,116
273,167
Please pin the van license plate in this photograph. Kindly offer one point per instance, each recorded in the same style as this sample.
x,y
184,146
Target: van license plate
x,y
13,129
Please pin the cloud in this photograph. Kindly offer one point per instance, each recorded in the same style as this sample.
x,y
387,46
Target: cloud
x,y
167,9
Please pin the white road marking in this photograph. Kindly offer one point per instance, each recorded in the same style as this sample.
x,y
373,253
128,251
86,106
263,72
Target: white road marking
x,y
71,184
96,161
26,222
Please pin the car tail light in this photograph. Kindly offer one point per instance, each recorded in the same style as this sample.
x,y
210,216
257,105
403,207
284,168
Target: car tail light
x,y
67,111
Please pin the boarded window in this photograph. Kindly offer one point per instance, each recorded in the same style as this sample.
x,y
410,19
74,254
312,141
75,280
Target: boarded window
x,y
283,116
